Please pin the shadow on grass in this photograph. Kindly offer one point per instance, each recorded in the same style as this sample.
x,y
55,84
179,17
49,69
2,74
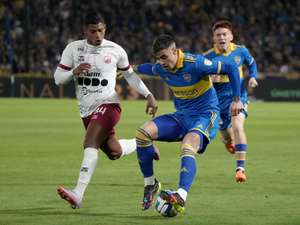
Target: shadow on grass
x,y
47,211
71,184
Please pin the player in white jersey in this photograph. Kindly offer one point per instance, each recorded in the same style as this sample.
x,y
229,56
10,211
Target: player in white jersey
x,y
93,63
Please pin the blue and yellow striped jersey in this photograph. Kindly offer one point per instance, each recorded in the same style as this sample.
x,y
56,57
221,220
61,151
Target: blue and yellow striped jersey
x,y
189,81
238,54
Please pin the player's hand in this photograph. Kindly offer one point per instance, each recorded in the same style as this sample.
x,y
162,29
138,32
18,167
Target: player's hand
x,y
82,68
151,107
236,106
252,82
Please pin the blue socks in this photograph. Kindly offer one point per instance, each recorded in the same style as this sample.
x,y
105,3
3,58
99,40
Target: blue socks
x,y
187,172
145,156
241,148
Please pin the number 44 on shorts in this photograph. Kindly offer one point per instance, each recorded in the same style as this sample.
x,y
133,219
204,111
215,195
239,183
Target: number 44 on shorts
x,y
101,110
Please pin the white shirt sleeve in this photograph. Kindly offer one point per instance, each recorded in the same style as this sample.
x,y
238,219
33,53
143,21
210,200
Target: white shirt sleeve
x,y
67,57
136,82
64,72
123,62
62,76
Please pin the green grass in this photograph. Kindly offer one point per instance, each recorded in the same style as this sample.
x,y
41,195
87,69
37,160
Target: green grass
x,y
40,149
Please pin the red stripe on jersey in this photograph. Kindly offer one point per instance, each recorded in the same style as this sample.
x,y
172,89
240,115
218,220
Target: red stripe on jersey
x,y
124,69
64,67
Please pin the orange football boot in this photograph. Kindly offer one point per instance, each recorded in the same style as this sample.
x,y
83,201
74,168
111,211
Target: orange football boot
x,y
230,148
240,176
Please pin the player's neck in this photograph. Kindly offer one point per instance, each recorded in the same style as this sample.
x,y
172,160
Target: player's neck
x,y
93,45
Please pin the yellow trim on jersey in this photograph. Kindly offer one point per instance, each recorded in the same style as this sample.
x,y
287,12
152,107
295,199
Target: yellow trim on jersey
x,y
193,91
179,63
225,78
231,48
219,67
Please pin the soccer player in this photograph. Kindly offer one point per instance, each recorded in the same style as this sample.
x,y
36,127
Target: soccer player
x,y
93,63
195,121
232,127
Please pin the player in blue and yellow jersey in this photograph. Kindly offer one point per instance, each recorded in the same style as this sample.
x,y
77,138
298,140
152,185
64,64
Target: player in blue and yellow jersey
x,y
195,121
232,127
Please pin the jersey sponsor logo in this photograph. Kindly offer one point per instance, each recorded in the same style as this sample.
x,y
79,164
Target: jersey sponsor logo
x,y
80,58
87,81
85,91
207,62
187,77
80,49
237,59
192,91
107,59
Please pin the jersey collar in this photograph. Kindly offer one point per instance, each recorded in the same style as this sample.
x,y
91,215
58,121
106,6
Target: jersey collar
x,y
179,63
231,48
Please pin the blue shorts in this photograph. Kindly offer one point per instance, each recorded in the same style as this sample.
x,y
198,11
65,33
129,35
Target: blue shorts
x,y
174,126
225,116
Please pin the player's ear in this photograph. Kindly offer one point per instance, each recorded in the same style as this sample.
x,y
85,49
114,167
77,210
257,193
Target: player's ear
x,y
174,50
231,36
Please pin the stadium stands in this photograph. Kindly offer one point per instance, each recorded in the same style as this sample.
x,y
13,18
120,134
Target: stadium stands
x,y
35,32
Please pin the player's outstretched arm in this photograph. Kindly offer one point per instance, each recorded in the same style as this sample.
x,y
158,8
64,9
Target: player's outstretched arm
x,y
145,68
234,77
136,82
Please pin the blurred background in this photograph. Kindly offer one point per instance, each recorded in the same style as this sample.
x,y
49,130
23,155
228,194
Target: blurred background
x,y
34,33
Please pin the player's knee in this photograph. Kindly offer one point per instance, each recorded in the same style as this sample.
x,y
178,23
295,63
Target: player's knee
x,y
143,138
114,155
188,150
238,128
90,144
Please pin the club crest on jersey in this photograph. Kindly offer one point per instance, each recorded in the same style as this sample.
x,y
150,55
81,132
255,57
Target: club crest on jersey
x,y
187,77
237,60
107,59
207,62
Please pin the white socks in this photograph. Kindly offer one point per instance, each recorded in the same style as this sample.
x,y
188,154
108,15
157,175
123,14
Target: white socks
x,y
89,163
182,193
149,180
128,146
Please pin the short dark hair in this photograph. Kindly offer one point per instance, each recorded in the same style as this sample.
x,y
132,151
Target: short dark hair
x,y
93,18
161,42
222,24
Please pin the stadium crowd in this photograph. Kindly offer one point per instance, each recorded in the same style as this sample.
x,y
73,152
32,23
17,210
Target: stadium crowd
x,y
35,32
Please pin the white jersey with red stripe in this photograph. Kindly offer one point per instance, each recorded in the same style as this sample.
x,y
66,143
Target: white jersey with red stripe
x,y
98,85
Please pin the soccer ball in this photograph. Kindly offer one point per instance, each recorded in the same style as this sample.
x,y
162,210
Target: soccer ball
x,y
163,207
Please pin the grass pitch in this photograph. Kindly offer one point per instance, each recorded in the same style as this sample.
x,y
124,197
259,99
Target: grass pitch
x,y
40,149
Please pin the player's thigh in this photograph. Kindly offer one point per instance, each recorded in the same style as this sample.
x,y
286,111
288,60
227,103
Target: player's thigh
x,y
169,128
205,125
100,124
111,146
95,135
